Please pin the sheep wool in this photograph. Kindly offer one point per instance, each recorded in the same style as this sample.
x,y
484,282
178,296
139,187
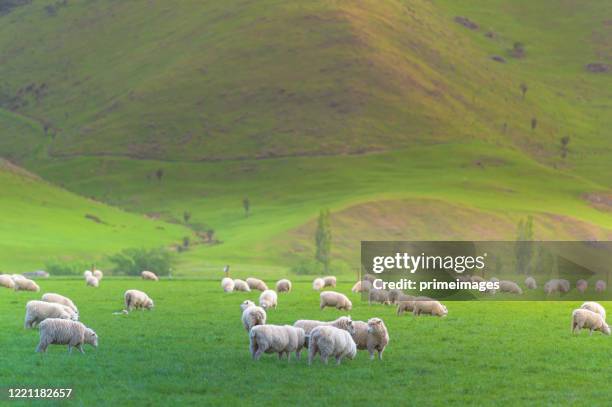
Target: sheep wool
x,y
586,319
433,308
268,299
595,307
55,331
334,299
149,275
60,299
330,341
506,286
92,281
530,283
281,339
329,281
308,325
362,286
7,281
256,284
98,274
136,299
372,336
227,284
24,284
582,285
600,286
317,284
283,286
252,315
87,273
241,285
38,311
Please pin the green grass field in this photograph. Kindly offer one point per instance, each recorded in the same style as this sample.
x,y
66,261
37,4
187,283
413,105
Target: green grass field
x,y
192,350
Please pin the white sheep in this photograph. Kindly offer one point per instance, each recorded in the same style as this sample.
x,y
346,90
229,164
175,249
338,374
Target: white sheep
x,y
595,307
92,281
556,285
582,285
60,299
268,299
98,274
329,281
372,336
564,285
24,284
7,281
241,285
362,286
309,324
407,303
586,319
136,299
38,311
331,341
433,308
256,284
380,296
600,286
64,332
252,315
283,286
149,275
281,339
530,283
227,284
87,273
317,284
334,299
506,286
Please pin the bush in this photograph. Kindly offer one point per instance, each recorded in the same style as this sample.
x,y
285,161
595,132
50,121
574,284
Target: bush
x,y
133,261
305,266
56,268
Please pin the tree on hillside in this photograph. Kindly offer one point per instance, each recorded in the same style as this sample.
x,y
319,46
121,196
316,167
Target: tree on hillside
x,y
246,204
159,174
523,89
523,248
565,140
323,239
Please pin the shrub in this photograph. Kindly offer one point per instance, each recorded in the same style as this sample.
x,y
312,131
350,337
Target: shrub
x,y
57,268
133,261
306,266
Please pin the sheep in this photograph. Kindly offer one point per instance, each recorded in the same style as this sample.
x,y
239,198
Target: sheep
x,y
381,296
582,285
317,284
24,284
87,273
584,318
556,285
16,277
334,299
395,296
506,286
369,277
600,286
362,286
331,341
595,307
283,286
135,299
252,315
36,274
64,332
329,281
268,299
433,308
98,274
564,285
7,281
530,283
372,336
149,275
227,284
407,304
281,339
308,324
60,299
92,281
256,284
38,311
241,285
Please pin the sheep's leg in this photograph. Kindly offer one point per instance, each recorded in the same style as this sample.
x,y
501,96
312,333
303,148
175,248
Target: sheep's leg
x,y
380,352
258,353
338,360
371,352
253,349
80,347
591,332
298,355
280,355
324,358
70,349
42,347
288,356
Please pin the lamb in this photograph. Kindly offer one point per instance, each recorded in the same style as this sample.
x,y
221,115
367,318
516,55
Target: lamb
x,y
98,274
135,299
149,275
381,296
317,284
7,281
24,284
334,299
308,324
38,311
506,286
252,315
329,281
331,341
92,281
283,286
433,308
256,284
595,307
281,339
64,332
372,336
268,299
60,299
227,284
241,285
362,286
586,319
582,285
530,283
600,286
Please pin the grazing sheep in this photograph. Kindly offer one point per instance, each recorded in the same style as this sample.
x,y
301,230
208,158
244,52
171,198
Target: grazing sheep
x,y
530,283
87,273
317,284
256,284
268,299
252,315
24,284
372,336
407,303
586,319
241,285
308,324
54,331
7,281
595,307
329,281
227,284
506,286
334,299
92,281
564,285
331,341
477,279
38,311
98,274
380,296
60,299
281,339
582,285
362,286
283,286
433,308
600,286
36,274
149,275
556,285
135,299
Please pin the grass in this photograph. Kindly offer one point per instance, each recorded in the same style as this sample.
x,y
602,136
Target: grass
x,y
191,349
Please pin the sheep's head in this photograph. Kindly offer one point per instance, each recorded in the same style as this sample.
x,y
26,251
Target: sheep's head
x,y
265,304
376,325
346,323
149,303
91,337
605,328
246,304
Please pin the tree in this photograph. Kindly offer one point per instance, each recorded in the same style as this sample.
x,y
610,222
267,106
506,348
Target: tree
x,y
524,89
323,238
159,174
186,216
565,140
246,204
523,248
